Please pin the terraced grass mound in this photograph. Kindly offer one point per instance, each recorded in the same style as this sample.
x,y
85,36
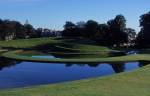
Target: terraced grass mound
x,y
124,84
15,55
61,48
81,47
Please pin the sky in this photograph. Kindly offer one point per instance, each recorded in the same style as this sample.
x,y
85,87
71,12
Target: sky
x,y
54,13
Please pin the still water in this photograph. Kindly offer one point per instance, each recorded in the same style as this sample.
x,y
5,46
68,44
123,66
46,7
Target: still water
x,y
20,74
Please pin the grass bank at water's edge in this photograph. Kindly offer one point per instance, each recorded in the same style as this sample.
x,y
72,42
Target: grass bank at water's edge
x,y
138,57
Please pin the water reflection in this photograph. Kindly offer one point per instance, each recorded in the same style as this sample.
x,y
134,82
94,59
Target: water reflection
x,y
7,63
143,63
21,74
117,67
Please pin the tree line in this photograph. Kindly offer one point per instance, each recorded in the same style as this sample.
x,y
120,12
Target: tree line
x,y
113,32
15,30
143,38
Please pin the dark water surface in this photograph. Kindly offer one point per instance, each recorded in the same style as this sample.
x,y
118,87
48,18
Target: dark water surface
x,y
20,74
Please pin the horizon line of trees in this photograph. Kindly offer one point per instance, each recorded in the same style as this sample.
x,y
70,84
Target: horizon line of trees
x,y
10,30
114,32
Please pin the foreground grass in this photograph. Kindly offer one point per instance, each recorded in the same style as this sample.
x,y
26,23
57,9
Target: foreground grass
x,y
125,84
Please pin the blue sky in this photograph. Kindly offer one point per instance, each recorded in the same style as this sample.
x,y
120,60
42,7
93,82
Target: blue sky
x,y
54,13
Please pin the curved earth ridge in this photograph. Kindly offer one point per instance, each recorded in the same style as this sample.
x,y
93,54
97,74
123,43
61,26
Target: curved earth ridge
x,y
127,58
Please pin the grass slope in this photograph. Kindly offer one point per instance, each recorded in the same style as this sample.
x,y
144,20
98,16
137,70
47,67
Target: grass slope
x,y
139,57
52,42
27,43
83,48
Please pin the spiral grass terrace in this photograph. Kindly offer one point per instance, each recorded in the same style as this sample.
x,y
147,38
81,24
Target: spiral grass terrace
x,y
123,84
138,57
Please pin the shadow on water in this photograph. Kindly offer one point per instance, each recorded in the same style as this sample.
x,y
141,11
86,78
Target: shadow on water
x,y
20,74
4,63
118,67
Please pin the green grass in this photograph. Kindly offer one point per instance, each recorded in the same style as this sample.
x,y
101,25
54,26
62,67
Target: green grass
x,y
82,47
27,43
89,48
53,43
15,55
70,55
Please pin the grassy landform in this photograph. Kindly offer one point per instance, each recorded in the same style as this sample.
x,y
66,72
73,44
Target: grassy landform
x,y
26,43
82,48
67,48
138,57
124,84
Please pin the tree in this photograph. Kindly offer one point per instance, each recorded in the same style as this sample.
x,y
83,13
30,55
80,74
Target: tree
x,y
30,31
69,29
91,28
1,28
80,28
15,30
20,31
39,32
117,28
143,36
7,30
102,35
131,35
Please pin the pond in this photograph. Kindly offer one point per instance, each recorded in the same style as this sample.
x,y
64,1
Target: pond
x,y
21,74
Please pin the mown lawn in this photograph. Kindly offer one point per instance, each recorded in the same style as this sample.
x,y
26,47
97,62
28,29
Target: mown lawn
x,y
55,45
127,58
81,47
26,43
52,42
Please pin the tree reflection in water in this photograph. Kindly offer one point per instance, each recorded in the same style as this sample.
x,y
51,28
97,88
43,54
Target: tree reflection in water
x,y
117,66
4,63
143,63
20,74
